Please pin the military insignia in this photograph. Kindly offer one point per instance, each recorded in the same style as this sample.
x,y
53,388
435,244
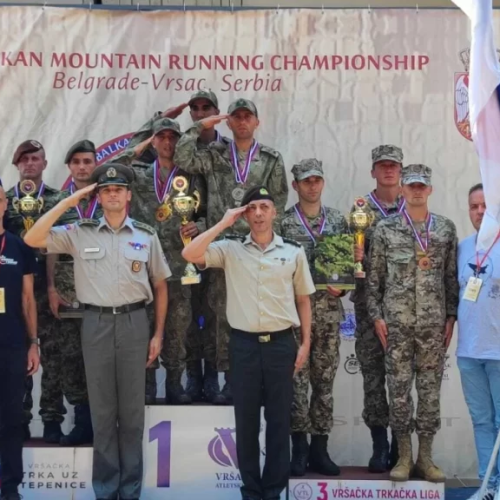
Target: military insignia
x,y
111,172
68,227
35,144
137,246
136,266
144,227
263,191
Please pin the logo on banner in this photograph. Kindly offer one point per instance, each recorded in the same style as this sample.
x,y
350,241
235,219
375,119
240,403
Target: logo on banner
x,y
351,365
302,491
348,326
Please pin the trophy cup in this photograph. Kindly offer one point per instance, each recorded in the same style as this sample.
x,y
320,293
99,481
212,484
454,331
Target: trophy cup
x,y
27,206
184,206
360,219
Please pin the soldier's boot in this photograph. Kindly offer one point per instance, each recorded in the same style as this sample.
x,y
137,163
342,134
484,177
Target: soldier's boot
x,y
300,454
425,467
194,384
82,433
225,397
380,459
52,433
211,387
26,432
150,387
319,460
394,455
175,393
402,470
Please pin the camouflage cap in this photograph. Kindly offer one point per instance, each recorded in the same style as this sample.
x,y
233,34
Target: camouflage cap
x,y
242,104
84,146
416,173
307,168
166,124
113,174
28,146
387,152
205,94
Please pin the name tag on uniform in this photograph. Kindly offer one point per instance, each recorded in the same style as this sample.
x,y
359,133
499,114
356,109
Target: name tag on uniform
x,y
473,288
2,300
91,250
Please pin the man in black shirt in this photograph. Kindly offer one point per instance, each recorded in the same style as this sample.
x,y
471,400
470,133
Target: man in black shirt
x,y
18,349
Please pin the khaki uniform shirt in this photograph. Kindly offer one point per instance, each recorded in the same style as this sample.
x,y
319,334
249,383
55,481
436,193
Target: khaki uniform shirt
x,y
112,267
261,284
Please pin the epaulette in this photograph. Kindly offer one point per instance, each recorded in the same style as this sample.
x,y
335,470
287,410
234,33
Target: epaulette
x,y
268,150
145,227
292,242
88,222
235,237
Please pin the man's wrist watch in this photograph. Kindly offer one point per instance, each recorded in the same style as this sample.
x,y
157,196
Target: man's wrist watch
x,y
35,341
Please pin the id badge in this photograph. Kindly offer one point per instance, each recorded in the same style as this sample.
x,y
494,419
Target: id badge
x,y
473,288
2,300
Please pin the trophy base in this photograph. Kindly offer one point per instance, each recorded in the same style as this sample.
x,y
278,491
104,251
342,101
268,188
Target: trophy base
x,y
191,280
360,274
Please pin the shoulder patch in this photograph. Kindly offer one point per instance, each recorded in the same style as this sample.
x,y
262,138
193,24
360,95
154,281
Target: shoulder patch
x,y
268,150
88,222
235,237
292,242
144,227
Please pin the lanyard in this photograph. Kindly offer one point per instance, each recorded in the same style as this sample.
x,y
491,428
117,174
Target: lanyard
x,y
162,188
381,208
2,246
242,175
89,213
485,256
307,227
423,245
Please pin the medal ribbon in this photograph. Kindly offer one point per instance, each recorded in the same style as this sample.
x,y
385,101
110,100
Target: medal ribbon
x,y
162,189
480,264
381,208
91,208
2,246
40,190
428,224
242,175
307,227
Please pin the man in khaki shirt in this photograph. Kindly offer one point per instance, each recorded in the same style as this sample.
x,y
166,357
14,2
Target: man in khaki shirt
x,y
268,286
115,260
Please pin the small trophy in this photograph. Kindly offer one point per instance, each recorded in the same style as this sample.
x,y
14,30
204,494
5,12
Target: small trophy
x,y
184,206
360,219
27,206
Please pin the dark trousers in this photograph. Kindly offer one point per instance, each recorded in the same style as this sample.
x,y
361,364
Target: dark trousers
x,y
13,365
262,374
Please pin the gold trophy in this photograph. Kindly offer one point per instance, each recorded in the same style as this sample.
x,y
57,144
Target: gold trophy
x,y
360,219
184,206
27,206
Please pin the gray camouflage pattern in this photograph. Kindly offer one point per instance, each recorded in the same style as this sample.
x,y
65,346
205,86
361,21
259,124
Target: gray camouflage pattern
x,y
307,168
416,173
387,152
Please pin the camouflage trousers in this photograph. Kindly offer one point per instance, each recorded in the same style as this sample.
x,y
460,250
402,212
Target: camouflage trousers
x,y
319,371
217,301
371,357
179,318
63,371
200,342
415,353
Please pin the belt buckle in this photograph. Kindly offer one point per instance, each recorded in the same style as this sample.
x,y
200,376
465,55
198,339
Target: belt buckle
x,y
264,338
115,310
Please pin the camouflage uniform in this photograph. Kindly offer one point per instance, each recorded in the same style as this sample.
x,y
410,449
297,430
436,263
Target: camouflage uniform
x,y
179,317
415,303
51,400
214,163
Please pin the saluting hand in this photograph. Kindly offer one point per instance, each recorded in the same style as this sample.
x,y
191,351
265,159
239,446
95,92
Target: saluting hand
x,y
381,331
74,199
175,111
155,345
211,121
232,215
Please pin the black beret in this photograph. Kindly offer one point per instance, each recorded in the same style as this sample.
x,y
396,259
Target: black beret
x,y
256,193
84,146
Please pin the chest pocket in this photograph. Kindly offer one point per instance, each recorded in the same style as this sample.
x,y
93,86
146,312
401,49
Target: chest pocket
x,y
136,261
399,261
93,262
279,274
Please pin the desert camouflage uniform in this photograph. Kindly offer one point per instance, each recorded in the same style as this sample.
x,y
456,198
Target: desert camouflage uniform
x,y
214,163
327,313
51,400
415,304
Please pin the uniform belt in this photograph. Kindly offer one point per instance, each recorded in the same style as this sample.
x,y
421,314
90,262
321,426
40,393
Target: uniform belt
x,y
262,337
116,310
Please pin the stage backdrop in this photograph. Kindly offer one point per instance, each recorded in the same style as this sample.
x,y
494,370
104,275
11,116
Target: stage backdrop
x,y
330,85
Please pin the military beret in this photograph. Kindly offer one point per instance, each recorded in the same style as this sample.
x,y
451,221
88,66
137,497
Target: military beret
x,y
205,94
416,173
166,124
113,174
387,152
84,146
256,193
28,146
242,104
307,168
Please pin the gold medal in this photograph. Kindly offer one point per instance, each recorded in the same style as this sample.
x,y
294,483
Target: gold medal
x,y
424,263
163,212
136,266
